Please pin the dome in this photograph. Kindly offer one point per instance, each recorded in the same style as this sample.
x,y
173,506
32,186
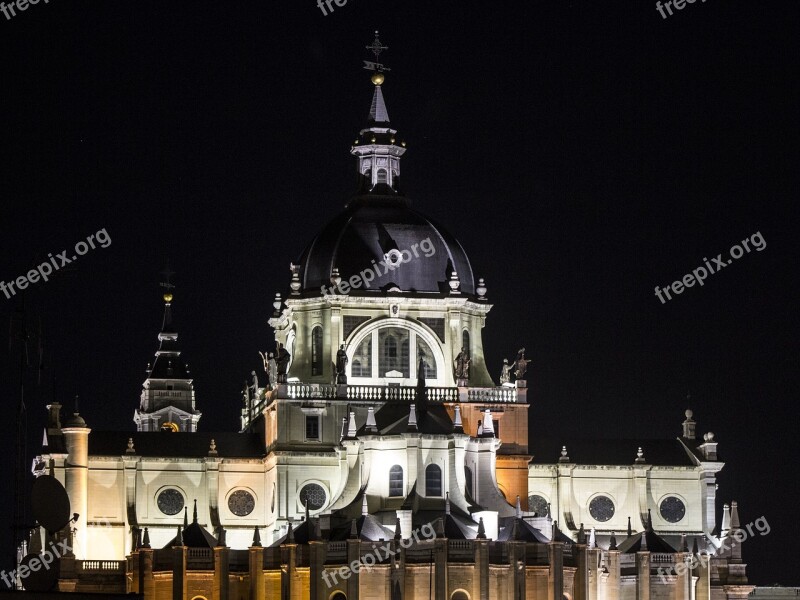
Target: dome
x,y
376,232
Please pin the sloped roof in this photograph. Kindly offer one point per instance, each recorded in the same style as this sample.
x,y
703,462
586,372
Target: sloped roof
x,y
610,452
177,445
392,419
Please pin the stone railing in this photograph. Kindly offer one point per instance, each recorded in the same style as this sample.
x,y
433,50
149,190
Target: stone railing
x,y
492,395
100,566
309,391
662,558
461,550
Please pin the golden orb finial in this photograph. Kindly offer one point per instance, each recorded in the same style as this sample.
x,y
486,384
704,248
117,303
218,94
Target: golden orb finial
x,y
378,78
168,297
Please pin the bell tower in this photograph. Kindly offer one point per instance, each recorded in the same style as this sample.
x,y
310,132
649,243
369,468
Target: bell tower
x,y
167,400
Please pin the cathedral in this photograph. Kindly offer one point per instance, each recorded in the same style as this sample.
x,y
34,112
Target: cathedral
x,y
377,455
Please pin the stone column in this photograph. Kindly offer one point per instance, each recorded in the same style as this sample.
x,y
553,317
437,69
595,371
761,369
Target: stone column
x,y
581,586
440,566
256,564
317,566
76,439
147,585
613,582
179,591
643,575
353,554
480,581
221,566
555,551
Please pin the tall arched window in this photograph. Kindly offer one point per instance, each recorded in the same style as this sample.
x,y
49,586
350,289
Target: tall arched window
x,y
468,478
433,480
426,354
316,350
465,342
396,481
393,351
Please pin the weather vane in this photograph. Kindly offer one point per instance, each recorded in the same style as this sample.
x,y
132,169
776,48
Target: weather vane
x,y
376,48
167,273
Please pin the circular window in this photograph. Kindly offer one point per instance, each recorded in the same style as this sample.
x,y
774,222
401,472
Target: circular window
x,y
313,495
672,509
601,508
170,502
241,503
393,257
538,505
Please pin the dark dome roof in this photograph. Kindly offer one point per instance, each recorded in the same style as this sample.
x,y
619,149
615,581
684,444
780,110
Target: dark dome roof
x,y
370,227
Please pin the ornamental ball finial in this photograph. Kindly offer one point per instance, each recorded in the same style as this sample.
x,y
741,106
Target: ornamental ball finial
x,y
167,297
378,78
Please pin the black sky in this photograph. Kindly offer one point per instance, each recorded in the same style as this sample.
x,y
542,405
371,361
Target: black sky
x,y
582,152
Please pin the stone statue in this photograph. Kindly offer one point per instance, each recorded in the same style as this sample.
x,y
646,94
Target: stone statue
x,y
461,371
273,369
282,362
521,365
253,387
505,375
341,366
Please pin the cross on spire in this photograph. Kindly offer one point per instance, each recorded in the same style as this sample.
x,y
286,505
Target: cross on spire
x,y
376,48
167,273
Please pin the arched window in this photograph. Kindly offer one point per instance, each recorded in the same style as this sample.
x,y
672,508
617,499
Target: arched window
x,y
459,595
393,351
396,481
362,359
433,480
424,351
339,596
468,478
383,176
465,342
316,350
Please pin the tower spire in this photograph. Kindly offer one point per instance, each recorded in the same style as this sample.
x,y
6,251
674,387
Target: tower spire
x,y
376,147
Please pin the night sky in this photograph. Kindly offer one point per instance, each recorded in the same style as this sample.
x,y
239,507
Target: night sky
x,y
582,152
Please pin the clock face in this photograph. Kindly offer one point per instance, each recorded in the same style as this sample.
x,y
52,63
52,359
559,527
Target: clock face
x,y
241,503
170,502
672,509
601,508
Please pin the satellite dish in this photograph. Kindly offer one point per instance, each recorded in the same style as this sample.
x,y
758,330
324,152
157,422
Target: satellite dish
x,y
50,503
44,577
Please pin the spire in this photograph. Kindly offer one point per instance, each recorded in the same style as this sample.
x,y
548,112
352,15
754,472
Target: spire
x,y
684,544
412,418
519,509
221,542
353,530
364,506
351,426
344,429
376,147
179,537
146,540
726,521
592,539
488,426
643,547
695,549
581,535
185,517
735,516
447,503
457,425
649,520
612,545
257,537
194,512
372,426
398,533
630,530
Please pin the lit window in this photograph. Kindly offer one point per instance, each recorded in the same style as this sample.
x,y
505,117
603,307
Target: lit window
x,y
468,478
393,351
362,359
433,481
383,176
424,351
396,481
